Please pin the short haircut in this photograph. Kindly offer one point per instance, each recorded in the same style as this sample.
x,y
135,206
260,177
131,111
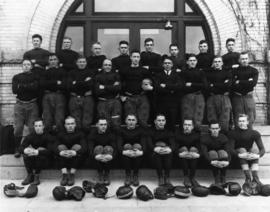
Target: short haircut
x,y
70,117
160,114
131,114
27,60
38,120
135,51
123,42
148,40
213,122
188,119
174,45
166,57
102,118
37,36
243,116
191,55
96,43
218,56
230,40
53,54
81,57
244,52
67,38
203,41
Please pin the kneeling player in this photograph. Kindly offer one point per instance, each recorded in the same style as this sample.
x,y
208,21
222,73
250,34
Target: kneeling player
x,y
132,144
215,146
102,146
187,142
243,139
36,151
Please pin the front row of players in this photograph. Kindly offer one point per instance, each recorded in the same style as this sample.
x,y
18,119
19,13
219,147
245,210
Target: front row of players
x,y
133,144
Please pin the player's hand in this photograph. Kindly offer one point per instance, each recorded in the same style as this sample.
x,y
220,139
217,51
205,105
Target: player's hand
x,y
59,82
116,83
235,66
178,70
87,79
162,85
188,84
147,67
123,98
101,86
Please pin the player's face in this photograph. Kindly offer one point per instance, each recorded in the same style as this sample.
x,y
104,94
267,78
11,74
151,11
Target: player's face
x,y
53,61
70,125
243,123
203,48
135,58
39,127
167,64
81,63
174,50
214,130
149,46
123,48
244,60
36,42
102,126
26,66
192,62
160,122
217,63
67,44
131,122
96,49
188,126
107,65
230,46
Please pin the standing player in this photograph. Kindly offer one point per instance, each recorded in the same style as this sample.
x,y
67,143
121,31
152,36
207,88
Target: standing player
x,y
195,83
231,59
218,103
96,59
162,144
149,59
102,146
243,140
187,150
81,101
36,150
178,62
54,101
132,143
245,78
38,56
133,92
204,58
67,57
108,87
123,60
25,86
70,150
215,149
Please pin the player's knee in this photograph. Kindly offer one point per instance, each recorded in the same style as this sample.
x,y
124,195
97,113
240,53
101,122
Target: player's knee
x,y
213,155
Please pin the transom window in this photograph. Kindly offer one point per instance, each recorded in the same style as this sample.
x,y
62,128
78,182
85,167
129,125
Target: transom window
x,y
110,21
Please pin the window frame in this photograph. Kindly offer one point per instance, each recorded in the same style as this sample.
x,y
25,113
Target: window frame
x,y
180,19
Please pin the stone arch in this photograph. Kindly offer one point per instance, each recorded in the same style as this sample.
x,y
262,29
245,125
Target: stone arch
x,y
219,14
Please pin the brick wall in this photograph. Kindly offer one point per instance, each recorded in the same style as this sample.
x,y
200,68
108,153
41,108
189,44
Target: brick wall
x,y
244,20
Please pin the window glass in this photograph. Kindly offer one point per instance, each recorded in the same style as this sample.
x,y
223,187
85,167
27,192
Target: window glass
x,y
79,9
134,6
162,39
110,38
193,36
76,34
188,8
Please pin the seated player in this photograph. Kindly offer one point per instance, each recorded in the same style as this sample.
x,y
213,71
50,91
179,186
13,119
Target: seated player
x,y
132,145
215,149
70,149
36,152
162,144
187,150
243,140
102,146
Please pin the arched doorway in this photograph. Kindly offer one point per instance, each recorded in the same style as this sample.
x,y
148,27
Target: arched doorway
x,y
110,21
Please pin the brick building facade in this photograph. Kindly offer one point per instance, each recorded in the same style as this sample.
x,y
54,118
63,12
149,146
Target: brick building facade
x,y
246,21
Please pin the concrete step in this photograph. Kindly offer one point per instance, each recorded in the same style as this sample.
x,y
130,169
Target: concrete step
x,y
44,201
